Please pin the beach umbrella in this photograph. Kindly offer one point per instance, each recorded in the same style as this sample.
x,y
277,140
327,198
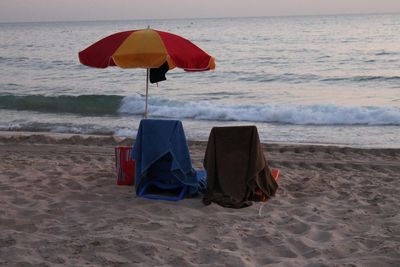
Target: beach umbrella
x,y
154,50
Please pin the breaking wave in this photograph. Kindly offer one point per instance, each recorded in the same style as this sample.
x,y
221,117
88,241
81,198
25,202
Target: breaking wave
x,y
113,105
301,114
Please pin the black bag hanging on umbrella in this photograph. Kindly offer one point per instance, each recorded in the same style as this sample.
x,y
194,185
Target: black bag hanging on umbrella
x,y
158,74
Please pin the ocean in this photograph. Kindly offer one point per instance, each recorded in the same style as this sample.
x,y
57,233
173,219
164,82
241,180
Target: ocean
x,y
307,79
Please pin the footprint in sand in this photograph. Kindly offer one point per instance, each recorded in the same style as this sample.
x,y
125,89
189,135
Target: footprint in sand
x,y
74,185
27,228
7,242
297,227
148,226
303,249
319,236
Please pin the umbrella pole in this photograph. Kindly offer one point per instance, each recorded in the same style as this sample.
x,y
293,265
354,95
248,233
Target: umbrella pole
x,y
147,86
147,92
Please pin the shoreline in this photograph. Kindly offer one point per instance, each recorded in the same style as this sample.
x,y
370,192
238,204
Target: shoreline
x,y
60,205
92,139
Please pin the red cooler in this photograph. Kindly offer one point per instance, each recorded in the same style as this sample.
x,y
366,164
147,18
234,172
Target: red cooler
x,y
124,165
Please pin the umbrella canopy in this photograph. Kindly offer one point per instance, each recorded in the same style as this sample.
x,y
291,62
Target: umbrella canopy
x,y
148,48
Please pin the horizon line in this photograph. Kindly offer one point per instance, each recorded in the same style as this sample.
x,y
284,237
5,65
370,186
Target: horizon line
x,y
206,18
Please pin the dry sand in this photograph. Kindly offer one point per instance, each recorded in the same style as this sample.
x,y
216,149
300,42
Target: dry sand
x,y
60,206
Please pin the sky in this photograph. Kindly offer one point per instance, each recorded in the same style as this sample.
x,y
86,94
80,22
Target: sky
x,y
71,10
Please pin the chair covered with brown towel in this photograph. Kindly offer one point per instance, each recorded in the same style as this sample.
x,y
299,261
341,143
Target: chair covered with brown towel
x,y
237,172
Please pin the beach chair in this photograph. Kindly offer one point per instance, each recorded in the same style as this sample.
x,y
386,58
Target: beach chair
x,y
163,167
237,172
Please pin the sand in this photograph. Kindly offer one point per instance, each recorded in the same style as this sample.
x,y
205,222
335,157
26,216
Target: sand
x,y
60,206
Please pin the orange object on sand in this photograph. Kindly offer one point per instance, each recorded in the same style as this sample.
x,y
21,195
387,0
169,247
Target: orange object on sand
x,y
261,196
275,173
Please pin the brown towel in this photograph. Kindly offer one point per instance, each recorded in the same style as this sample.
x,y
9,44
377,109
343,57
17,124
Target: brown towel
x,y
236,167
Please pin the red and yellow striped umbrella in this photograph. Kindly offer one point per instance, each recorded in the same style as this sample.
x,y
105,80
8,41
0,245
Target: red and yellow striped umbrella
x,y
147,48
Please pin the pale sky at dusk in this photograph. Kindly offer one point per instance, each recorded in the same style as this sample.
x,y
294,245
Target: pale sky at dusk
x,y
62,10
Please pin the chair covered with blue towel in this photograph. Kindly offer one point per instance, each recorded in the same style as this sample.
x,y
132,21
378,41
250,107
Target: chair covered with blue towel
x,y
163,164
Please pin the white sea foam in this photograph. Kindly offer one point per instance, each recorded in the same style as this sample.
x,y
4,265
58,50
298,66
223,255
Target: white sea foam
x,y
327,114
125,132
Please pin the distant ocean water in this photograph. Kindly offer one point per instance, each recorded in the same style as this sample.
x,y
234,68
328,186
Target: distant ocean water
x,y
311,79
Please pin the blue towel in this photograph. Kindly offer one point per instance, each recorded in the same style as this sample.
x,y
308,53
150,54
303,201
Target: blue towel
x,y
162,158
